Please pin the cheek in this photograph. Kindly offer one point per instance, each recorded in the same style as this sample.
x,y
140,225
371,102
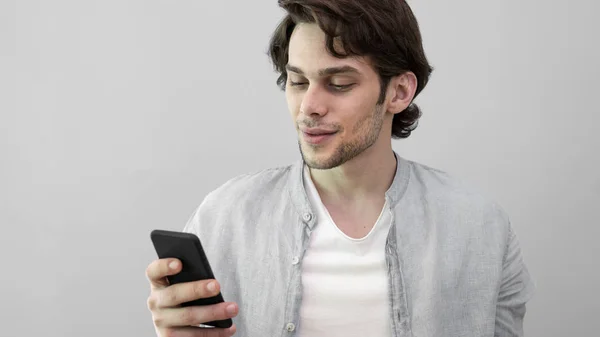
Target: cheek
x,y
356,113
360,124
294,108
292,102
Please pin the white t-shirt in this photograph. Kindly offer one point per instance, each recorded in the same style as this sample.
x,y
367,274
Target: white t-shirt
x,y
344,280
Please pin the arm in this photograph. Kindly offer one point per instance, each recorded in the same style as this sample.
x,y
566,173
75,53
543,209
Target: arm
x,y
516,289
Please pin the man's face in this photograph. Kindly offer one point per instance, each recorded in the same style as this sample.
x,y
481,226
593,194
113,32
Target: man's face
x,y
333,101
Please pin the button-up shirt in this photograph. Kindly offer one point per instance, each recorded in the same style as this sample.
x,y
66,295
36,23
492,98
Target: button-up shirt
x,y
454,263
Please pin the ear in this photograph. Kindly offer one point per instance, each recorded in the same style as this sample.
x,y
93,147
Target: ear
x,y
401,91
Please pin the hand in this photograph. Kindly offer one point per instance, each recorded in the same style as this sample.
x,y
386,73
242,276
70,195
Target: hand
x,y
172,320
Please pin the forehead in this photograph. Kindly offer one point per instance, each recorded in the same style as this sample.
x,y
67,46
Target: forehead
x,y
308,52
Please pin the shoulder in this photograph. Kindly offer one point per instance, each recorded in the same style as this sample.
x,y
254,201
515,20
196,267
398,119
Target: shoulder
x,y
250,186
453,198
245,193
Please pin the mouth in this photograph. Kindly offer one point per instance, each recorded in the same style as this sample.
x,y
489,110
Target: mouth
x,y
317,137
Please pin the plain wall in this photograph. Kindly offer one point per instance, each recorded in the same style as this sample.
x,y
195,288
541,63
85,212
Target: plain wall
x,y
118,117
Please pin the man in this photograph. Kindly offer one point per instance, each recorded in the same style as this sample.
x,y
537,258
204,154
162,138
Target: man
x,y
353,239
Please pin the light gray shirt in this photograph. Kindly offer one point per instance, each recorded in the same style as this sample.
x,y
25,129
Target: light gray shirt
x,y
454,263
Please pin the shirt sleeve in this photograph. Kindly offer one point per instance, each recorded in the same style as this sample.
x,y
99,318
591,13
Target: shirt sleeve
x,y
516,289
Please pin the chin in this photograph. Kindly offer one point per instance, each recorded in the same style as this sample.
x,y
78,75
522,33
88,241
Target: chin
x,y
314,157
320,158
318,164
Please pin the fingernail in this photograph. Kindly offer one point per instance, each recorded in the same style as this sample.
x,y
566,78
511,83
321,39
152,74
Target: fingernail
x,y
173,265
212,287
231,309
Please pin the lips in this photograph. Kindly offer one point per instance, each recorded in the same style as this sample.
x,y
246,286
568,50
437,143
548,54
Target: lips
x,y
317,137
318,131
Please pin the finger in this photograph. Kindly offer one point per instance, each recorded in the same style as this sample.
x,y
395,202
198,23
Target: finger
x,y
185,292
158,270
204,332
194,315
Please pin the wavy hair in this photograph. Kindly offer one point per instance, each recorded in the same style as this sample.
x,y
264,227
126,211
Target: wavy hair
x,y
384,30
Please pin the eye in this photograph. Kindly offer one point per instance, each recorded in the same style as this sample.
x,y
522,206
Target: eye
x,y
335,87
342,87
295,84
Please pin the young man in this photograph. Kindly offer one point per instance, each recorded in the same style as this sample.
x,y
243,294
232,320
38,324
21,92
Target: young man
x,y
353,239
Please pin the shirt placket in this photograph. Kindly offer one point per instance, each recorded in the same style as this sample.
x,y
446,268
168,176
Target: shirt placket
x,y
294,293
400,317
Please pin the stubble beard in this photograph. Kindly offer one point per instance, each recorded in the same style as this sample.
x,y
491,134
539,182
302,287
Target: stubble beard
x,y
349,150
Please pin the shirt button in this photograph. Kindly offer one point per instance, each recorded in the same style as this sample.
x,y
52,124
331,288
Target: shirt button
x,y
290,327
295,260
307,216
404,324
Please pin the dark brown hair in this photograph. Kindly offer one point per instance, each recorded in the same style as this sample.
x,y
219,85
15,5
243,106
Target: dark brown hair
x,y
386,31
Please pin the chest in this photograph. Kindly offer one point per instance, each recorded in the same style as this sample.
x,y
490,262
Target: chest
x,y
354,223
279,277
345,284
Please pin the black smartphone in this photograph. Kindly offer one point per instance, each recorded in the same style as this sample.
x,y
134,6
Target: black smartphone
x,y
187,248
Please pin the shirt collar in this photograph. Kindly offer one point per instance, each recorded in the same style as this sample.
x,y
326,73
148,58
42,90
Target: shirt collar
x,y
299,197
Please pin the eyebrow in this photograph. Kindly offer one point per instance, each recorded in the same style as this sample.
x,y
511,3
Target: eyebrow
x,y
326,71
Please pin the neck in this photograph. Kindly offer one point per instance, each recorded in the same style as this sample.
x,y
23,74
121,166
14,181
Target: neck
x,y
366,177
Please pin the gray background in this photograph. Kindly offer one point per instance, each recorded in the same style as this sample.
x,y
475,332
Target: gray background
x,y
117,117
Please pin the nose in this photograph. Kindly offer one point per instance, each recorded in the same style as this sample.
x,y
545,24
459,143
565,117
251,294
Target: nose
x,y
314,102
